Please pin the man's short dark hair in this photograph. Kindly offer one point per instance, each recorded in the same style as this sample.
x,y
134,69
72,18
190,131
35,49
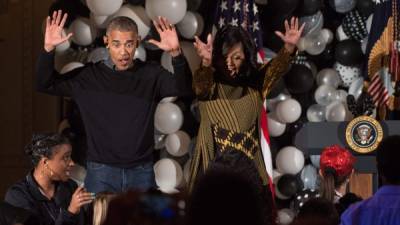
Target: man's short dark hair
x,y
388,157
122,23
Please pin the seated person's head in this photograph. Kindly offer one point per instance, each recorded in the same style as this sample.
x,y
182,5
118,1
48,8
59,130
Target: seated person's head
x,y
121,40
50,154
100,206
229,193
319,210
387,158
336,166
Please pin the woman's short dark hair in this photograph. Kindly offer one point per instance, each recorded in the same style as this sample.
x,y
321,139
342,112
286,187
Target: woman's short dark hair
x,y
387,158
226,38
43,145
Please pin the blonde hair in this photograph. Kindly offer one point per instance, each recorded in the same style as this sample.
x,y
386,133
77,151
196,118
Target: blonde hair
x,y
100,206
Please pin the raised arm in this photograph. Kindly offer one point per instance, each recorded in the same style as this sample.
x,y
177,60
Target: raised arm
x,y
48,80
178,84
203,78
278,66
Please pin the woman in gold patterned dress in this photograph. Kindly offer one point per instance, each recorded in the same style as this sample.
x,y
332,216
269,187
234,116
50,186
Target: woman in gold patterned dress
x,y
231,88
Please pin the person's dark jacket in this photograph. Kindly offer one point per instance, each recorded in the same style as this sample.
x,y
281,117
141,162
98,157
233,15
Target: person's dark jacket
x,y
117,107
27,195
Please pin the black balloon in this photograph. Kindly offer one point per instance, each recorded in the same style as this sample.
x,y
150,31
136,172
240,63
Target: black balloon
x,y
309,7
299,79
289,185
365,7
348,52
302,197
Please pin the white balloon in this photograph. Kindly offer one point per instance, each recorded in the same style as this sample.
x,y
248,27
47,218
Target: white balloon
x,y
137,14
273,102
191,25
71,66
316,113
315,44
324,94
275,127
327,35
104,7
329,77
336,112
168,118
65,45
140,53
84,31
340,35
341,95
173,10
289,160
168,99
356,87
168,174
177,144
98,54
99,21
285,216
288,111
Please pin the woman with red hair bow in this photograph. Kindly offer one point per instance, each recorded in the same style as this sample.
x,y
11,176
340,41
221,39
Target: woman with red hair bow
x,y
336,167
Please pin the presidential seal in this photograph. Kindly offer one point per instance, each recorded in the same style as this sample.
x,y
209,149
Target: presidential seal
x,y
363,134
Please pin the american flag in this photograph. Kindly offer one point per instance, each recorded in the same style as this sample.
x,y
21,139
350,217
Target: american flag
x,y
241,13
245,13
381,86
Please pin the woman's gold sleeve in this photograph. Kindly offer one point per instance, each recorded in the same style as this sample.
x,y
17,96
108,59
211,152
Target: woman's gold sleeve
x,y
274,70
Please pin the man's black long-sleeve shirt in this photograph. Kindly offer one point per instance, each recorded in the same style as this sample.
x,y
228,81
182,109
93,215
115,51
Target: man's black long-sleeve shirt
x,y
117,107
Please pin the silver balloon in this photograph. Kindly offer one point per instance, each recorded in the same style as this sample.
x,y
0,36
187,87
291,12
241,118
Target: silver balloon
x,y
168,118
356,87
329,77
342,6
309,177
315,44
315,160
313,23
273,102
341,95
324,94
336,112
191,25
140,53
327,35
316,113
